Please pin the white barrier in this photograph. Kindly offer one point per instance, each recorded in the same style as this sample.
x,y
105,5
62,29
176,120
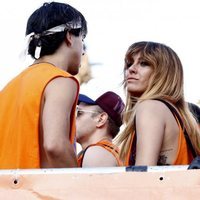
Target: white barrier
x,y
158,183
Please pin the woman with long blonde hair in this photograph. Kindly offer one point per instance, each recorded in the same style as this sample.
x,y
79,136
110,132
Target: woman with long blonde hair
x,y
159,128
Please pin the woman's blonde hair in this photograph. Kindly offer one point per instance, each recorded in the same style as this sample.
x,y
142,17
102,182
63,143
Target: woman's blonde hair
x,y
166,83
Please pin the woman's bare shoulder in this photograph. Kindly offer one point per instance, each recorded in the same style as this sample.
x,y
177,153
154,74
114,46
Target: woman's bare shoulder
x,y
152,106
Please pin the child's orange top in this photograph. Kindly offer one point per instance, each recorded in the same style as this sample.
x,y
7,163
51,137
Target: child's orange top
x,y
20,103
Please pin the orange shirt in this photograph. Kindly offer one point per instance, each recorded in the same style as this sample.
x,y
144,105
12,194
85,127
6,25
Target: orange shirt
x,y
20,103
106,145
184,155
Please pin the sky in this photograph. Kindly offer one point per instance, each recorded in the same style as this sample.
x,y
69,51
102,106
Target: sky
x,y
113,25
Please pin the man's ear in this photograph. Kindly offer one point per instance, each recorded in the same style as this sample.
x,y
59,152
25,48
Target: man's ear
x,y
103,117
68,39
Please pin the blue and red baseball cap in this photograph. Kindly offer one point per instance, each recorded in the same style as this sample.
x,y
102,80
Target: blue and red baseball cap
x,y
109,102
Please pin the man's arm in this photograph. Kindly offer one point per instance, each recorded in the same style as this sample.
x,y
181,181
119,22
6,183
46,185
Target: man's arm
x,y
60,96
97,156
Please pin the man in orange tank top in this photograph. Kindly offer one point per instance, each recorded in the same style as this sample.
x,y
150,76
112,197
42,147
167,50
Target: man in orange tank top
x,y
98,122
37,108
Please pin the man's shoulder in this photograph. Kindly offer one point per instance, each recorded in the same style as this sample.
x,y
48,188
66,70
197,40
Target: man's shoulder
x,y
98,156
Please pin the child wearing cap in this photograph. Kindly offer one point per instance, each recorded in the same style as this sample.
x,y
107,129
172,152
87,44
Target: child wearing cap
x,y
97,123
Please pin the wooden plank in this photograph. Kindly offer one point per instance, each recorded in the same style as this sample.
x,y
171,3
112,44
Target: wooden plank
x,y
99,183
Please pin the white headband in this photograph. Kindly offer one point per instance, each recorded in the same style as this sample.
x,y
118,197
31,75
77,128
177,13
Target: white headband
x,y
56,29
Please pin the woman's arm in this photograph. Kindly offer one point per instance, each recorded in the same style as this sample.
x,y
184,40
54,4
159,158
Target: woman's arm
x,y
150,129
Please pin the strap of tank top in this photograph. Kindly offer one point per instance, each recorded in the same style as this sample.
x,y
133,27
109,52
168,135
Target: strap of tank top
x,y
175,113
105,144
110,145
102,143
113,149
80,158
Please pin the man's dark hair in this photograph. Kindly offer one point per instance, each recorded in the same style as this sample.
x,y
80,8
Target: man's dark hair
x,y
113,129
195,110
48,16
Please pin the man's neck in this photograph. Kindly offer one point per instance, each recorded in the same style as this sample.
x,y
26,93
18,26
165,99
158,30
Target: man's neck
x,y
59,59
53,61
95,138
